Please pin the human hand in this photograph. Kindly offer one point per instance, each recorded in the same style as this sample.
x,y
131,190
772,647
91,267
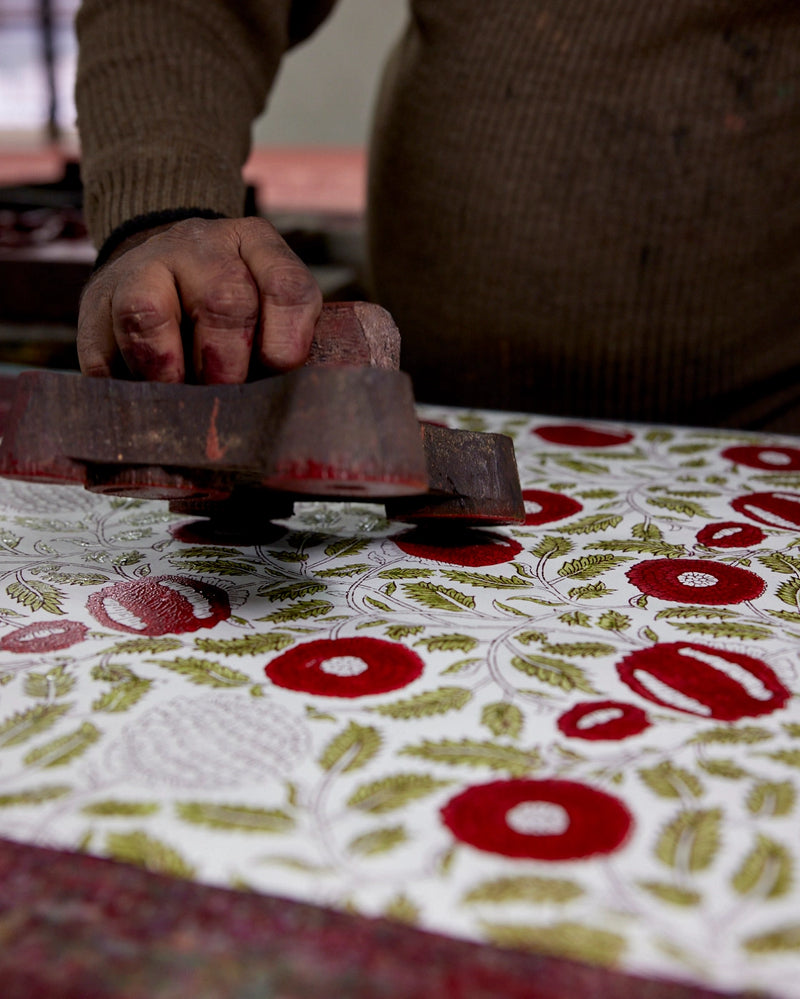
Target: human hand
x,y
200,298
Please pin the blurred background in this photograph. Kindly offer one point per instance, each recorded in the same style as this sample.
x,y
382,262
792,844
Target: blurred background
x,y
306,173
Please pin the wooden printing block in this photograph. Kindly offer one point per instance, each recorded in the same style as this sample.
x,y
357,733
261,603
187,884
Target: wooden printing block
x,y
344,425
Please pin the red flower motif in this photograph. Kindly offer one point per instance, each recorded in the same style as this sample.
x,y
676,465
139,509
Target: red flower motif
x,y
345,667
575,435
696,581
538,819
603,720
162,605
542,507
765,457
44,636
730,534
701,680
775,509
464,547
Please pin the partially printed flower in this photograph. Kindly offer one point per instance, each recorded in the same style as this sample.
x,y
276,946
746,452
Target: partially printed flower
x,y
576,435
210,741
467,547
345,667
538,819
766,457
730,534
543,507
44,636
602,720
775,509
695,581
160,605
701,680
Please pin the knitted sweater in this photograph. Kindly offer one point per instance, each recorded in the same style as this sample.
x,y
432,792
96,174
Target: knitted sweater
x,y
579,207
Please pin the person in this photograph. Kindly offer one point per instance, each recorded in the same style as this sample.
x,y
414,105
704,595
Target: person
x,y
580,207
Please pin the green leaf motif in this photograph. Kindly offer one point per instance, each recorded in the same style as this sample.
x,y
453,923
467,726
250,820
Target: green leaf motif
x,y
553,671
145,851
592,524
393,792
787,592
647,531
346,547
524,888
786,938
404,573
791,757
217,567
591,592
137,646
113,809
438,597
54,683
27,724
566,939
589,566
402,910
488,580
724,629
351,749
74,578
461,665
397,632
474,753
379,841
669,781
582,467
575,619
729,769
613,621
37,596
247,645
503,719
353,569
766,871
747,735
671,894
35,796
291,591
772,798
237,818
682,506
302,610
430,702
122,696
449,643
706,612
204,672
690,842
780,562
378,605
582,649
58,752
551,546
659,548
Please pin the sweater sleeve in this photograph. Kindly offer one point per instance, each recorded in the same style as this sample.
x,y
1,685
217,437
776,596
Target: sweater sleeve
x,y
166,93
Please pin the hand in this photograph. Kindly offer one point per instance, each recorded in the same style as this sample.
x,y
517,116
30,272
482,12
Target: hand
x,y
199,296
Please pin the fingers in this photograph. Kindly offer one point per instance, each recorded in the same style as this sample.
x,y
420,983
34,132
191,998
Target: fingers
x,y
290,299
202,296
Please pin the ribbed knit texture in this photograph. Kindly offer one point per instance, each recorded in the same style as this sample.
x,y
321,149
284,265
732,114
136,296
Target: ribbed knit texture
x,y
582,207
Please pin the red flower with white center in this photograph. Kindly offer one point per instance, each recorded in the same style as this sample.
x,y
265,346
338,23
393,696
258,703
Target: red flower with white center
x,y
542,507
775,509
603,720
575,435
701,680
695,581
44,636
765,457
538,819
730,534
463,547
161,605
345,667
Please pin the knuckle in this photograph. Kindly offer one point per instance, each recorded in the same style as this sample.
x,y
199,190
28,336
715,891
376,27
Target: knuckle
x,y
140,315
290,283
228,303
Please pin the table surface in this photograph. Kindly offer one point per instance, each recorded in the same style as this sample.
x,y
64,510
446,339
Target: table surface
x,y
578,737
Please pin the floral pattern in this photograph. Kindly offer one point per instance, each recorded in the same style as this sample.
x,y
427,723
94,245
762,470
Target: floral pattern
x,y
579,735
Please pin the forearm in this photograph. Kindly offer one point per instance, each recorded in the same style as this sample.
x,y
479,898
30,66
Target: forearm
x,y
166,94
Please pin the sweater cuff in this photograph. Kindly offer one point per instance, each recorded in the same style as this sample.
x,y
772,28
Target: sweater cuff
x,y
140,223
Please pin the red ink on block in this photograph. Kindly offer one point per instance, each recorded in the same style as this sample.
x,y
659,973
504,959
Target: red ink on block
x,y
695,581
214,451
44,636
538,819
345,667
704,681
603,720
162,605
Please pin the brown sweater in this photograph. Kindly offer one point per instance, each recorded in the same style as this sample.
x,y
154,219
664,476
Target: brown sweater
x,y
582,207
